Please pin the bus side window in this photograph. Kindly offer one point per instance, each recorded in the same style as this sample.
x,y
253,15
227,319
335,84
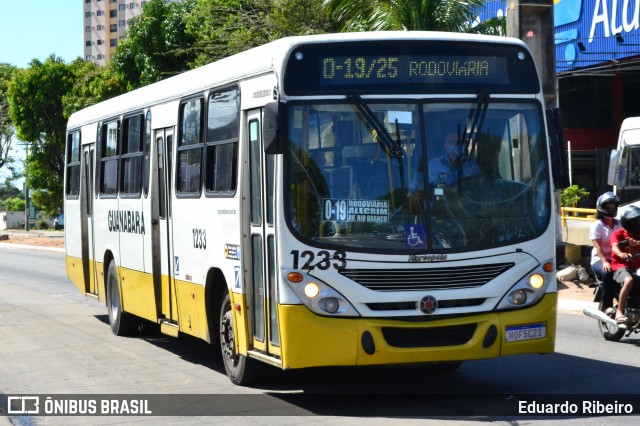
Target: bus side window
x,y
73,165
222,135
190,148
131,159
109,158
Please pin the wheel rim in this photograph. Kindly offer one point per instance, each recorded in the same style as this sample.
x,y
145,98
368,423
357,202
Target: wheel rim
x,y
606,328
227,339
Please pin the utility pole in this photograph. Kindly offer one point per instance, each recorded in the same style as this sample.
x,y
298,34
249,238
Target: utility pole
x,y
26,190
532,22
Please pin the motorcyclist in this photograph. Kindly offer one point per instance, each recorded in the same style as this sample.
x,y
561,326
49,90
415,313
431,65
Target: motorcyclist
x,y
600,234
625,246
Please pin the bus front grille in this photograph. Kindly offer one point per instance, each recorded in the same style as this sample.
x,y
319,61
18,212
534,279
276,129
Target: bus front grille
x,y
402,306
426,279
428,337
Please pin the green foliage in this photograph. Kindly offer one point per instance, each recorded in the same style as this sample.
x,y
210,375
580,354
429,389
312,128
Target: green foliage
x,y
36,109
6,128
43,224
8,191
569,197
157,45
92,84
415,15
222,28
13,204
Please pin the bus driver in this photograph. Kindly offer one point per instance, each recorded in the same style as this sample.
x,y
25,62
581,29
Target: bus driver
x,y
448,169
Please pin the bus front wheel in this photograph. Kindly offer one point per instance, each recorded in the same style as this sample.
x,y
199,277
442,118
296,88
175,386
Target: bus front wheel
x,y
121,322
240,369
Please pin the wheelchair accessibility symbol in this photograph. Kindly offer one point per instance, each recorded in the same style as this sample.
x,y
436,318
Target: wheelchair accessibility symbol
x,y
415,236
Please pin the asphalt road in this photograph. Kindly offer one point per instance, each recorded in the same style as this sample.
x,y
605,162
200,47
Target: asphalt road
x,y
55,341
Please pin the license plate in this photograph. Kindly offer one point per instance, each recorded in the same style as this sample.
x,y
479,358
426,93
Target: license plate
x,y
525,332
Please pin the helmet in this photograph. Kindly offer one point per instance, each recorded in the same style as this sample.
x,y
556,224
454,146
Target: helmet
x,y
604,199
631,220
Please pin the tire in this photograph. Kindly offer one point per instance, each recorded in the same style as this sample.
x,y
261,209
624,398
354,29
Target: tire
x,y
609,332
121,322
240,369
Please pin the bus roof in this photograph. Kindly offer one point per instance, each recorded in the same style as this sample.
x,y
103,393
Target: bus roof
x,y
255,61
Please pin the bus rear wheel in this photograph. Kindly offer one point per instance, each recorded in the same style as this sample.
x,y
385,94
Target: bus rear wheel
x,y
121,322
240,369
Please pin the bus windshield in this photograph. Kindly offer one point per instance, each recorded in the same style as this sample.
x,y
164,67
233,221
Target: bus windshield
x,y
428,176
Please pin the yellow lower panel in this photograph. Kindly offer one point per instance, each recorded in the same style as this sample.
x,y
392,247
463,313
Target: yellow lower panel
x,y
545,311
137,294
74,272
309,340
102,291
191,305
242,328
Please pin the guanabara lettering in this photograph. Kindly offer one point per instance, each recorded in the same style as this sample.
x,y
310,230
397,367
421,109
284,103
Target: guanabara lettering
x,y
128,221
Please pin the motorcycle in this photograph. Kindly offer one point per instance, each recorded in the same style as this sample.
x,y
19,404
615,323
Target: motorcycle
x,y
611,330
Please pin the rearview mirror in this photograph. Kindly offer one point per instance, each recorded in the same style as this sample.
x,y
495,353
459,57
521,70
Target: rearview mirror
x,y
270,129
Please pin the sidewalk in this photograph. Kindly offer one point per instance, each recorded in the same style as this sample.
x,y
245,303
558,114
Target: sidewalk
x,y
573,306
36,239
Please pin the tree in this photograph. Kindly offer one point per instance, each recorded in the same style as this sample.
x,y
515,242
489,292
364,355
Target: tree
x,y
92,84
6,128
8,191
157,44
36,108
416,15
226,27
13,204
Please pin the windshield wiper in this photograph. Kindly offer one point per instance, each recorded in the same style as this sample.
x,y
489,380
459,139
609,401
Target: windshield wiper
x,y
392,147
383,138
474,121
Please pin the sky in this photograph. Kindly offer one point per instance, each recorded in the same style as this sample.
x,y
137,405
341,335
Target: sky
x,y
35,29
38,28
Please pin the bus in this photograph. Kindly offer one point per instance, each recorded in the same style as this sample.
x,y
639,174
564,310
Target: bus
x,y
327,200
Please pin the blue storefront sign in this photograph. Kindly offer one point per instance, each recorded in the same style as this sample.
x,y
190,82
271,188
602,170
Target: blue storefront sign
x,y
587,32
591,32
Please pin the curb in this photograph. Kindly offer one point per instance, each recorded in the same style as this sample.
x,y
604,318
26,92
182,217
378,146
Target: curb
x,y
573,306
28,247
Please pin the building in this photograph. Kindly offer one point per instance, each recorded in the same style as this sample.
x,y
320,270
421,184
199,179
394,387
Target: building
x,y
105,24
597,52
598,58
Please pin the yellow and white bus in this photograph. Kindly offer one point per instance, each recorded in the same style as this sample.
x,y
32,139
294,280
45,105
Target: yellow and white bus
x,y
329,200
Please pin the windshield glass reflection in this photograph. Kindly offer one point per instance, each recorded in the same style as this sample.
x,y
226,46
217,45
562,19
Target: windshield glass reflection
x,y
417,177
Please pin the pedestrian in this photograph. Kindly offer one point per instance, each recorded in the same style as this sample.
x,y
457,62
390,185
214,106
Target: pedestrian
x,y
600,235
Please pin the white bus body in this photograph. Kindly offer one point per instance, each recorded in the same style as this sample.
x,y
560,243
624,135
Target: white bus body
x,y
322,235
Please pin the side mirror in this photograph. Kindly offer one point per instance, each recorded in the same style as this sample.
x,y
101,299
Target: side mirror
x,y
273,142
621,177
613,167
559,159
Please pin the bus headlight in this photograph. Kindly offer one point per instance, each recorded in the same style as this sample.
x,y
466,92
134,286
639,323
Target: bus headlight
x,y
318,296
536,281
311,290
330,305
529,289
518,297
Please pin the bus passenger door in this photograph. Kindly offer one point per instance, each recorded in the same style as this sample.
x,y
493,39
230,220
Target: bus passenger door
x,y
162,228
262,296
86,200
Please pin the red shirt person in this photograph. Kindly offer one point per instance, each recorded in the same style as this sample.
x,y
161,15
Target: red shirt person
x,y
625,262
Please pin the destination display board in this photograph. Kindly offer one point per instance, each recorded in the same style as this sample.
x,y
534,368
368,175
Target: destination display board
x,y
409,66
